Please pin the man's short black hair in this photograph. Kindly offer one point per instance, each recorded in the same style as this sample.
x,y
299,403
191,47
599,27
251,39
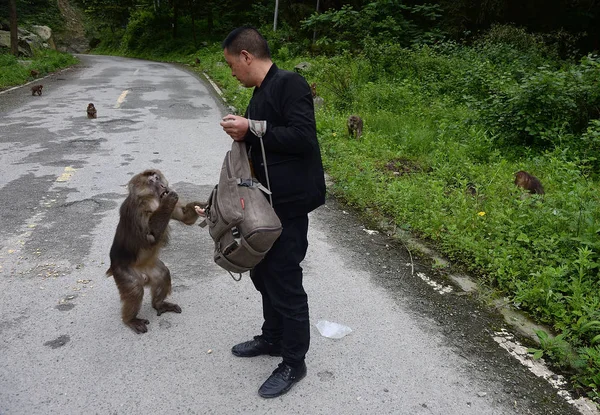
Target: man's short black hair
x,y
247,38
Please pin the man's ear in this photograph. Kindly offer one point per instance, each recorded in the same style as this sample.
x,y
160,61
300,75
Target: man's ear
x,y
247,56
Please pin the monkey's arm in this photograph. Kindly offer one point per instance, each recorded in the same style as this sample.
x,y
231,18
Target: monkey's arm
x,y
187,213
159,220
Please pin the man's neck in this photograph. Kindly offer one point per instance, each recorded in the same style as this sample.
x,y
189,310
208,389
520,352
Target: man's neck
x,y
262,69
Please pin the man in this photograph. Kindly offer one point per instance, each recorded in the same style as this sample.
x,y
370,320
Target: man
x,y
283,99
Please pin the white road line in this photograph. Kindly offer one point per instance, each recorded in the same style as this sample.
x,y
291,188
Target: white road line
x,y
214,85
507,341
437,287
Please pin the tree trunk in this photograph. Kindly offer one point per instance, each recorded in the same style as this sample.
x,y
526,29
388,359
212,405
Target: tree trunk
x,y
315,31
193,23
210,21
175,18
14,36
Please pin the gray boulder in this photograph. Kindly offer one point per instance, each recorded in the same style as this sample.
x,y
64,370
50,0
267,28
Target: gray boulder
x,y
45,33
32,39
302,67
23,45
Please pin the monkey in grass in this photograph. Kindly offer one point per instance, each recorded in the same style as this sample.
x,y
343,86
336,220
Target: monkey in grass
x,y
318,101
355,126
528,182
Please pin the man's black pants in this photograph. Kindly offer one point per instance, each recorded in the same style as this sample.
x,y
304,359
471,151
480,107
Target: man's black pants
x,y
278,277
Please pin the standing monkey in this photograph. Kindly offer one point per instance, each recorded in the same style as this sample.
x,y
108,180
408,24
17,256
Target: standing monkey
x,y
355,126
91,111
141,233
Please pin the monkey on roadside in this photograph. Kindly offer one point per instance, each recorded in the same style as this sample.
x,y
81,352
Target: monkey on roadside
x,y
91,111
34,73
197,61
142,231
318,101
529,182
355,126
36,89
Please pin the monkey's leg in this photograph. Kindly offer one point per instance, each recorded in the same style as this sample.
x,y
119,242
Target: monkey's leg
x,y
160,280
131,289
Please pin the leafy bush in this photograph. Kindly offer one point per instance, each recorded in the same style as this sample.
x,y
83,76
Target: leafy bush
x,y
388,21
514,46
143,30
547,108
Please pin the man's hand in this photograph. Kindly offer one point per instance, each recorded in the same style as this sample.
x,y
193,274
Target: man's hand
x,y
235,126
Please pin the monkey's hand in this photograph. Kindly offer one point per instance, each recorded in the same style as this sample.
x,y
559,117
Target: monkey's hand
x,y
169,196
200,211
188,213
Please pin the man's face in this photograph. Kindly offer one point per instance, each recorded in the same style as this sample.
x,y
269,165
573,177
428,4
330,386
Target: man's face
x,y
240,66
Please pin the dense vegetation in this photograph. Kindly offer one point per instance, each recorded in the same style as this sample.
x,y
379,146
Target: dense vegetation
x,y
453,106
38,12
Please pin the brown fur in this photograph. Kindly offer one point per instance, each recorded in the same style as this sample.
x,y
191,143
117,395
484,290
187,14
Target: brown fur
x,y
355,126
91,111
529,182
34,73
141,233
37,89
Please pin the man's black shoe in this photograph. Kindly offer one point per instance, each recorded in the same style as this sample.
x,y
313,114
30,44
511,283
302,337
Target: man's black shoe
x,y
256,347
281,380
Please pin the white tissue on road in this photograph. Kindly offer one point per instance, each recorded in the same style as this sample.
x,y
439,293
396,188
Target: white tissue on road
x,y
332,330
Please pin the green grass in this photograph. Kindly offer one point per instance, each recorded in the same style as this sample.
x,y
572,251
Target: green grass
x,y
15,71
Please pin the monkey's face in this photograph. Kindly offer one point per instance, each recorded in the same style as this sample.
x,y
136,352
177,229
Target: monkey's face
x,y
149,182
521,179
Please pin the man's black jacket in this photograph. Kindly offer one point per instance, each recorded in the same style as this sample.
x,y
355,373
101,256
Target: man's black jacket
x,y
293,156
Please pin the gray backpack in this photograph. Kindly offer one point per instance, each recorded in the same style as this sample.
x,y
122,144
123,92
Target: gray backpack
x,y
240,219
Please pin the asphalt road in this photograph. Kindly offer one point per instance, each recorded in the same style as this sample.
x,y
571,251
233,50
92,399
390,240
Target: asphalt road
x,y
63,349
